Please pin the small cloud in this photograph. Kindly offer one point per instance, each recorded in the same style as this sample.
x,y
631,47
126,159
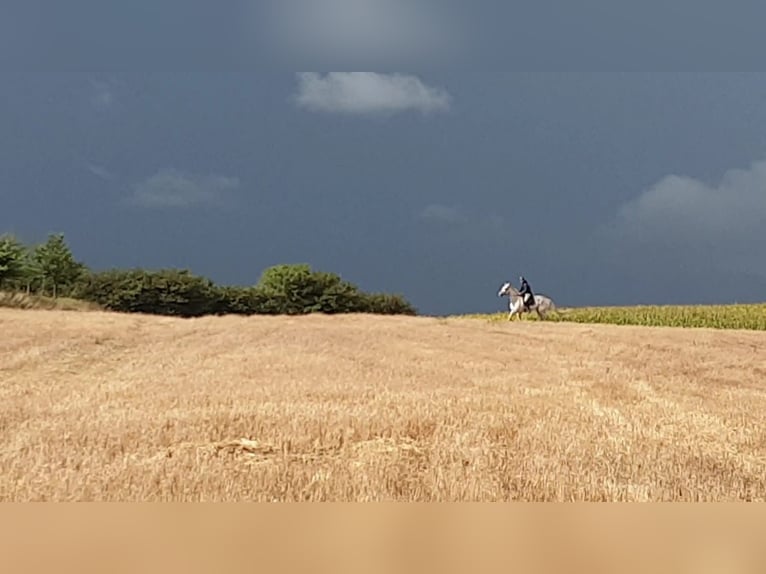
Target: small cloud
x,y
458,221
441,214
100,172
102,94
368,92
171,188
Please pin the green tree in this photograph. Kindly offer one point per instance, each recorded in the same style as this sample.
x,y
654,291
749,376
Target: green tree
x,y
56,265
31,275
296,289
285,289
12,253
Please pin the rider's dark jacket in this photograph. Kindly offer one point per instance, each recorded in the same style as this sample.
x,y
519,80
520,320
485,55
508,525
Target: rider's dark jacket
x,y
526,289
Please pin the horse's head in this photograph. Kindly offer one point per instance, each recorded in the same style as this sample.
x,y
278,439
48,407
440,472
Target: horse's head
x,y
505,290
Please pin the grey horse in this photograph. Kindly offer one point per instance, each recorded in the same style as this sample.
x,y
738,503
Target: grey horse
x,y
542,305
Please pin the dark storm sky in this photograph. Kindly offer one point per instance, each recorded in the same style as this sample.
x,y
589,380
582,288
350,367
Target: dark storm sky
x,y
601,188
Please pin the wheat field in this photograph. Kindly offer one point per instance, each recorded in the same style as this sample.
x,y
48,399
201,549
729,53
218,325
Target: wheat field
x,y
749,316
110,407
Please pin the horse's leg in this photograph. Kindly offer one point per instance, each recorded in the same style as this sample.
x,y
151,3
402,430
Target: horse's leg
x,y
514,311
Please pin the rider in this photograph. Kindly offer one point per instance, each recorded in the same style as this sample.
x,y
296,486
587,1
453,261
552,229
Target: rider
x,y
527,296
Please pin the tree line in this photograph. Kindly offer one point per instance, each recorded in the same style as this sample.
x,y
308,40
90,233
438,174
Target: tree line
x,y
51,269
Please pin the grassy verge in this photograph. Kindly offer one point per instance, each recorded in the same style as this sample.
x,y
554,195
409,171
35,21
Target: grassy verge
x,y
751,317
14,300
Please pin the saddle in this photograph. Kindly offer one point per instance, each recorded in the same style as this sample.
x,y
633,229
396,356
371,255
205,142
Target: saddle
x,y
529,300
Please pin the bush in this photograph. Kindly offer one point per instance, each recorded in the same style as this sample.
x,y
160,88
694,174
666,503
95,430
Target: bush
x,y
296,289
165,292
241,301
386,304
282,289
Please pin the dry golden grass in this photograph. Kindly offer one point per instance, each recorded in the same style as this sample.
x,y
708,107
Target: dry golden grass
x,y
19,300
100,406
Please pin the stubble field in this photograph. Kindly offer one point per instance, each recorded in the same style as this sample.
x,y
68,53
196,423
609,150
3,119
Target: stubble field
x,y
101,406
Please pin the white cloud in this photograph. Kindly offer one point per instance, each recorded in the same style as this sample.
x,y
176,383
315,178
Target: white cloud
x,y
171,188
368,92
722,225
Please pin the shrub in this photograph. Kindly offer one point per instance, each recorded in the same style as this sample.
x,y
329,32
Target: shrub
x,y
296,289
241,301
164,292
51,267
388,304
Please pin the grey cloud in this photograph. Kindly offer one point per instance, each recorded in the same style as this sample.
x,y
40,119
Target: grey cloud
x,y
461,222
721,225
368,92
99,171
442,213
171,188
